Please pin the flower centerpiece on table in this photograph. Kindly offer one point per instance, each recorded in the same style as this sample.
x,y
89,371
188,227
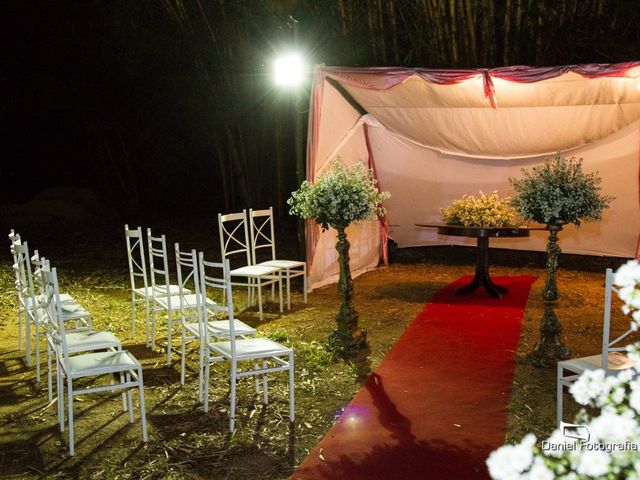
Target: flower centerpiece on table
x,y
341,196
556,193
482,211
611,415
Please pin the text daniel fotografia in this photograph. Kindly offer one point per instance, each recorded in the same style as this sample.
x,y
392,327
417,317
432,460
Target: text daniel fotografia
x,y
579,436
576,446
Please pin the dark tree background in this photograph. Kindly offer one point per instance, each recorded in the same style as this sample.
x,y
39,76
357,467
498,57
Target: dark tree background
x,y
169,104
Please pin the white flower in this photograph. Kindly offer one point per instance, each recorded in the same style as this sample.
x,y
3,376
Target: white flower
x,y
500,465
539,471
628,274
612,427
594,463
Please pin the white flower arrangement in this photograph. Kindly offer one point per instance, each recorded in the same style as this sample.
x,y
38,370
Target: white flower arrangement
x,y
559,192
482,211
339,197
613,450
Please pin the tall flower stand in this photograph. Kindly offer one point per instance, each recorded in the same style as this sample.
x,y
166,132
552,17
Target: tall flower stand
x,y
347,335
551,347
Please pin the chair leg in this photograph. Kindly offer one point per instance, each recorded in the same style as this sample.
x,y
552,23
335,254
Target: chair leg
x,y
206,385
265,384
143,415
304,283
146,321
169,333
70,403
133,314
37,351
183,353
288,289
60,395
49,376
129,398
259,288
559,393
292,394
232,408
27,337
280,289
154,315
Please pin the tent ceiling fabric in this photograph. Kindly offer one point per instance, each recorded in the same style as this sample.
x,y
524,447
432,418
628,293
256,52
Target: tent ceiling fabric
x,y
530,119
434,135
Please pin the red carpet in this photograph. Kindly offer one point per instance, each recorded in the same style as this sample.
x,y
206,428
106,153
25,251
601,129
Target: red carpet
x,y
437,404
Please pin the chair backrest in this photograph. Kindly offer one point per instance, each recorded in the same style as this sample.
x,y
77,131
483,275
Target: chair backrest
x,y
24,277
136,257
53,310
262,233
187,271
234,236
609,345
215,275
158,261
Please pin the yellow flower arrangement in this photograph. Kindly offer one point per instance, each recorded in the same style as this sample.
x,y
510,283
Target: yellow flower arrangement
x,y
481,211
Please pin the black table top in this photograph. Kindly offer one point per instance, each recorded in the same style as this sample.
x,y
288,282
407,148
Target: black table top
x,y
470,231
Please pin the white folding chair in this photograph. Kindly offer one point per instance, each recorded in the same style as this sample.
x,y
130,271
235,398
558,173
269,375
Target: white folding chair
x,y
32,308
611,359
271,356
263,237
15,240
78,341
191,326
73,368
234,241
160,285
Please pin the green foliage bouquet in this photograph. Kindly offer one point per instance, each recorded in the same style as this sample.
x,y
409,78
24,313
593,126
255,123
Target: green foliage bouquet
x,y
483,211
559,192
341,196
338,198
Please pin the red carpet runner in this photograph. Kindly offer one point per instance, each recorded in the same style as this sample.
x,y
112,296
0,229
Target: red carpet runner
x,y
437,404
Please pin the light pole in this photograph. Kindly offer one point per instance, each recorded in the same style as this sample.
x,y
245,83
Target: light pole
x,y
289,72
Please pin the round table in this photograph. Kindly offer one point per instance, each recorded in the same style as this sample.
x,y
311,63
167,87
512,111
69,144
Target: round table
x,y
482,234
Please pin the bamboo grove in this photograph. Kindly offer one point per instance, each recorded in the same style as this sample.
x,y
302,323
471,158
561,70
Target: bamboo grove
x,y
176,106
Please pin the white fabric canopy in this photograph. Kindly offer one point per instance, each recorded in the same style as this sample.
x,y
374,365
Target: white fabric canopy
x,y
430,143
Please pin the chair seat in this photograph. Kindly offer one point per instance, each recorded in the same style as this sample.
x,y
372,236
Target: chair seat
x,y
85,341
220,328
251,348
282,264
254,271
160,290
615,361
189,301
101,363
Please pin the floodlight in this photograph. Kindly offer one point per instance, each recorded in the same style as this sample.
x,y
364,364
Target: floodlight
x,y
289,70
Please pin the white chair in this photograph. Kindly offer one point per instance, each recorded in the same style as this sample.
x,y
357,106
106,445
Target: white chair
x,y
611,359
31,307
263,237
160,285
190,305
234,241
272,356
73,368
138,279
15,240
77,341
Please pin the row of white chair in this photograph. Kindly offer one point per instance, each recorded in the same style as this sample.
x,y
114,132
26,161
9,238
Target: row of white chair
x,y
79,351
152,286
212,324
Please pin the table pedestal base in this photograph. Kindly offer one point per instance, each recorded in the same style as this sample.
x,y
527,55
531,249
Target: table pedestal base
x,y
482,278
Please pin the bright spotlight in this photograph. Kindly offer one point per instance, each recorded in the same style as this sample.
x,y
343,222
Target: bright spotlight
x,y
289,70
